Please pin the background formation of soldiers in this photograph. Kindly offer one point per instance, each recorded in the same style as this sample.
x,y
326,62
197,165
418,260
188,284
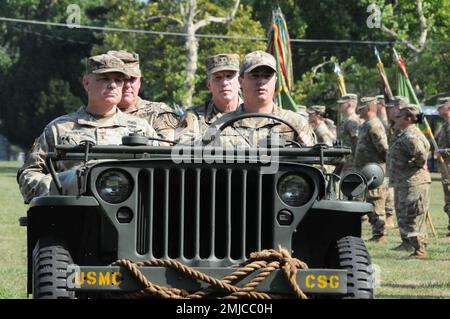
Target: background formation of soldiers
x,y
384,133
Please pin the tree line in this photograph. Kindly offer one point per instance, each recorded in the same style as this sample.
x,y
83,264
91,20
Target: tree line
x,y
41,66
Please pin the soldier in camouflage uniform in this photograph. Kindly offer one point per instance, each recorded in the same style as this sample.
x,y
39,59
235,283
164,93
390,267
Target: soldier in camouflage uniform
x,y
443,142
224,86
372,148
257,78
408,156
317,117
348,130
159,115
303,111
389,191
100,122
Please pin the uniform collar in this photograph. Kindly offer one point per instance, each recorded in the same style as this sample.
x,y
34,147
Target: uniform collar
x,y
87,119
255,122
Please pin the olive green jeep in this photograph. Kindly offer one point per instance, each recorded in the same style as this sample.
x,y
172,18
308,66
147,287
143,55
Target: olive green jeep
x,y
205,207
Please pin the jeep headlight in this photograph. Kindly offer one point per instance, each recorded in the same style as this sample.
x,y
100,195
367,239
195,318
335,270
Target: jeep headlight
x,y
114,186
294,190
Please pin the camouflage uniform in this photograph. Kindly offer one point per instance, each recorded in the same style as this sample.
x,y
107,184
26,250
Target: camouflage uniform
x,y
443,142
159,115
321,129
372,148
33,177
408,156
252,131
199,117
347,133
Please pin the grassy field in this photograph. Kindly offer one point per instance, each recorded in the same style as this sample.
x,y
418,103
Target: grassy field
x,y
399,276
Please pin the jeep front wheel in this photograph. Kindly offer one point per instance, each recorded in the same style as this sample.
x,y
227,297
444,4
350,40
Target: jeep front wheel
x,y
50,260
350,253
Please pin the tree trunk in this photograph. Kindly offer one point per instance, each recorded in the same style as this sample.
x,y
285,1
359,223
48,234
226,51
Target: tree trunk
x,y
191,46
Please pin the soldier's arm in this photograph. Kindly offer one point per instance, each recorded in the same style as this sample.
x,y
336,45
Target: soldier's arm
x,y
165,122
188,130
306,134
33,177
418,150
379,140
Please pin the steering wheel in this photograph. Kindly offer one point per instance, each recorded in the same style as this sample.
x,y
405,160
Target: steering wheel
x,y
250,115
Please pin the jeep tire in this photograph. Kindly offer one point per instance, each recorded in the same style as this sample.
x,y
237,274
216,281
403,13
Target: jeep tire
x,y
350,253
50,260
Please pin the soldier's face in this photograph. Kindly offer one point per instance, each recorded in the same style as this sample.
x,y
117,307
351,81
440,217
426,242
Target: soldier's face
x,y
130,92
224,87
104,89
258,86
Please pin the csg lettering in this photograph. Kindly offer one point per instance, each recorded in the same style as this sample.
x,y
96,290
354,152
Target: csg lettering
x,y
322,281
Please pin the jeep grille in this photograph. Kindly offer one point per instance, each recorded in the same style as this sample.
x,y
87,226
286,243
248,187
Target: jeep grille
x,y
204,213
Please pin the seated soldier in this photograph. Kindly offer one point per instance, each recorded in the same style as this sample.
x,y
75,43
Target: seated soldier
x,y
159,115
258,77
100,122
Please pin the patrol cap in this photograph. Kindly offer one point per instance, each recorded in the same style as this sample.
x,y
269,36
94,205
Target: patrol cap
x,y
301,108
105,63
222,62
348,97
380,97
317,108
399,101
443,101
366,101
256,59
131,61
410,109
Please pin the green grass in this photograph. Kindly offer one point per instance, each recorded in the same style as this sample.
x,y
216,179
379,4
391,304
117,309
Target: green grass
x,y
400,277
13,260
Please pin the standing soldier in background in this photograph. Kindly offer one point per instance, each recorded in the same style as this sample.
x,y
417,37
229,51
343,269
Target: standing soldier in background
x,y
372,148
224,86
348,129
408,156
317,117
389,191
303,111
159,115
443,142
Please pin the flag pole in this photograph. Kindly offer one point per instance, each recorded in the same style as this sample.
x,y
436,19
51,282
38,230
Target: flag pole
x,y
383,76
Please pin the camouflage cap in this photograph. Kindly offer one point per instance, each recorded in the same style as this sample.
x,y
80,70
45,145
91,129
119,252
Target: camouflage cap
x,y
317,108
399,101
222,62
131,61
256,59
443,101
380,97
105,63
410,109
365,101
301,108
348,97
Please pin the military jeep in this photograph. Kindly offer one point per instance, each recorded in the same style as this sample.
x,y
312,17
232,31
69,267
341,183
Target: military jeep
x,y
205,207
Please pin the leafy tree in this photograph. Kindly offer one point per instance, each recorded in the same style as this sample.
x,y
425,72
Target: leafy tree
x,y
163,57
42,65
